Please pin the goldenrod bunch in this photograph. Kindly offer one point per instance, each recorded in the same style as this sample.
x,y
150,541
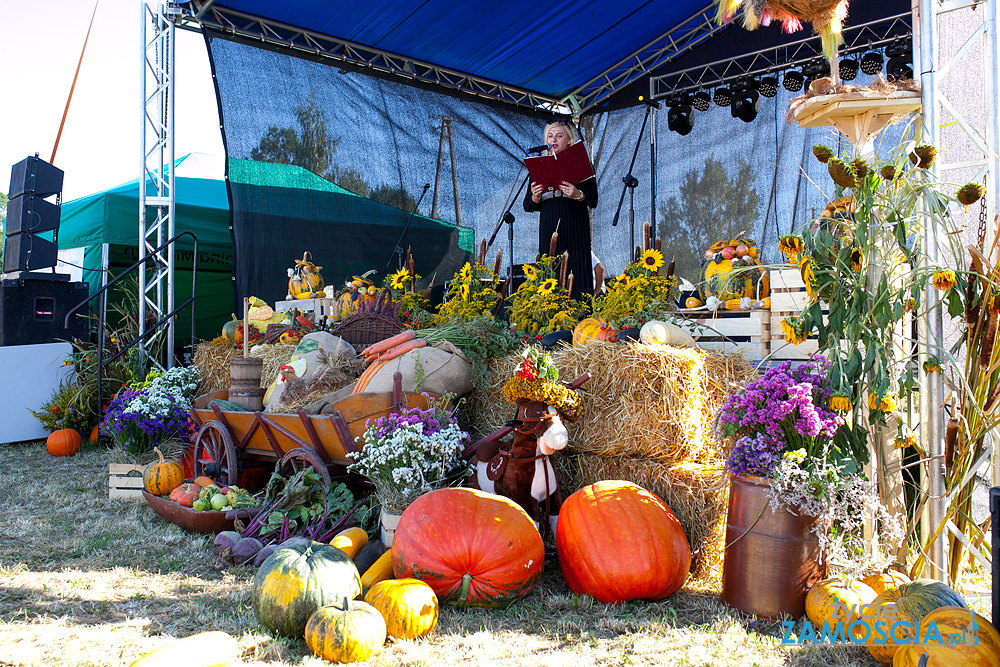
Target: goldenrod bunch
x,y
472,294
540,306
641,287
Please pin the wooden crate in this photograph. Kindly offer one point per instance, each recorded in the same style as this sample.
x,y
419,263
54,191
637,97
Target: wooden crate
x,y
788,298
318,310
125,481
739,332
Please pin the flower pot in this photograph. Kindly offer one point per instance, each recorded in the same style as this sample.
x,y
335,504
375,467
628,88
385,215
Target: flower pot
x,y
389,523
771,558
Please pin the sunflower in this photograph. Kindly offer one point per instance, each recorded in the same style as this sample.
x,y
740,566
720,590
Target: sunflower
x,y
932,365
883,404
944,280
547,286
466,272
463,291
789,327
790,245
808,274
624,279
399,279
857,260
530,273
652,259
970,193
840,403
905,440
909,305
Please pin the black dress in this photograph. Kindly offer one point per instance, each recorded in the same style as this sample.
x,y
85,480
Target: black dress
x,y
573,222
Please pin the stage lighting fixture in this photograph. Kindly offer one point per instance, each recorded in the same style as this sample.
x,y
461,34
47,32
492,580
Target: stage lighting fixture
x,y
871,63
768,86
746,102
900,64
723,97
680,119
848,69
701,100
793,81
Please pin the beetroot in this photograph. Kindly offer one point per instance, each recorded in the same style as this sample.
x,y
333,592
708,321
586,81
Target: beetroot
x,y
263,554
295,541
246,549
224,543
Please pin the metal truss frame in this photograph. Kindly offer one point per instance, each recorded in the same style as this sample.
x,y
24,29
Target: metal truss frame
x,y
857,39
156,276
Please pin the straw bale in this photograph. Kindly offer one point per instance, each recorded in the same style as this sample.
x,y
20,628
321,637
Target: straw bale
x,y
213,362
646,402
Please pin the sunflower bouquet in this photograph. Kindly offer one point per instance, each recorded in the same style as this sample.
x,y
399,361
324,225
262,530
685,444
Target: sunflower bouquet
x,y
412,305
471,294
640,293
540,305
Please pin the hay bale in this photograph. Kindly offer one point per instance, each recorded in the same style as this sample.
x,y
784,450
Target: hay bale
x,y
647,402
697,493
213,362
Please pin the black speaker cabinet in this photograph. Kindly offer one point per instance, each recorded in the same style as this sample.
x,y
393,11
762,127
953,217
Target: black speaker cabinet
x,y
28,213
28,252
35,176
33,311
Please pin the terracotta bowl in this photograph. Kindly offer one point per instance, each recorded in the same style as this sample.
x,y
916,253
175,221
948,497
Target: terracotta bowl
x,y
208,521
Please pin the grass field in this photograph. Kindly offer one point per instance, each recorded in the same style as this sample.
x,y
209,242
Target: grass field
x,y
85,580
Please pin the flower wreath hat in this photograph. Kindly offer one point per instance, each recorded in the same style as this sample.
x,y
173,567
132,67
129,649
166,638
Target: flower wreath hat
x,y
537,380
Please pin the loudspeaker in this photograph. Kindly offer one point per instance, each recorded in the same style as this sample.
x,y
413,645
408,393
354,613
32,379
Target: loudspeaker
x,y
28,213
33,311
35,176
27,252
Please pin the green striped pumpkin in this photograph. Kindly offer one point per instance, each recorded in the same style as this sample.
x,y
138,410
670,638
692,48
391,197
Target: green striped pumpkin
x,y
161,477
348,631
296,581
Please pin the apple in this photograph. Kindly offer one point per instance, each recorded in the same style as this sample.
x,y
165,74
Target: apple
x,y
219,501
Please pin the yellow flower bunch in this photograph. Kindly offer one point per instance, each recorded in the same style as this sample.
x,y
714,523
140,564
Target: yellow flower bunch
x,y
944,280
639,288
790,246
882,404
540,306
403,286
472,294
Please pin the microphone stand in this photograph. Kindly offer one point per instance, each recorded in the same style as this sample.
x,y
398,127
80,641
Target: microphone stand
x,y
630,184
398,250
508,217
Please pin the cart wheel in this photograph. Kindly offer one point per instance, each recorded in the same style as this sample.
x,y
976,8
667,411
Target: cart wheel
x,y
215,453
300,458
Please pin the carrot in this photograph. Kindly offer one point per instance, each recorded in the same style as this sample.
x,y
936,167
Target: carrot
x,y
375,349
366,377
402,348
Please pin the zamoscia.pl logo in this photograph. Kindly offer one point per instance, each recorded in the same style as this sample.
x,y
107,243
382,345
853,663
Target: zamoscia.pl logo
x,y
875,624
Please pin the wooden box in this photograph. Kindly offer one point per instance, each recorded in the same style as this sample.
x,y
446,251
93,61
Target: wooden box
x,y
739,332
788,298
318,310
125,481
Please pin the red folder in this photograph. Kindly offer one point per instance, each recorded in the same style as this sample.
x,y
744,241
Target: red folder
x,y
571,165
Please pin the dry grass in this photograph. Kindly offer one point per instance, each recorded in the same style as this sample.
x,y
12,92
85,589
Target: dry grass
x,y
89,581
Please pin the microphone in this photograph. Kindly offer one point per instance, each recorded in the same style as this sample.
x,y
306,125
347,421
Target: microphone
x,y
650,103
538,149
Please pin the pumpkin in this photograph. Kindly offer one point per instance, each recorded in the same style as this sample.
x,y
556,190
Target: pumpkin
x,y
912,600
470,546
205,649
350,541
305,278
205,481
665,333
64,442
95,435
828,602
296,581
162,477
593,328
962,637
346,631
229,330
883,581
732,277
380,570
409,607
186,494
617,542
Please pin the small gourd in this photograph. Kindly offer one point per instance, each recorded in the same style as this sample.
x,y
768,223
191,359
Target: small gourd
x,y
350,541
346,631
656,332
409,607
593,328
162,477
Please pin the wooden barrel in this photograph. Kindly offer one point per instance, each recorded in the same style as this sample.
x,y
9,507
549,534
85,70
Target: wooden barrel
x,y
244,387
771,559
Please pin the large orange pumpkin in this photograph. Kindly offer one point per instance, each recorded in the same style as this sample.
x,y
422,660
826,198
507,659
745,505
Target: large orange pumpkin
x,y
829,601
64,442
469,546
883,581
976,642
618,542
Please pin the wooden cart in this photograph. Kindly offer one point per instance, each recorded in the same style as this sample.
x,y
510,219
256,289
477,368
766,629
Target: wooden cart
x,y
228,442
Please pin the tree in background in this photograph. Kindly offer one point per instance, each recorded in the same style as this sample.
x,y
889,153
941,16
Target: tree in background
x,y
312,148
709,207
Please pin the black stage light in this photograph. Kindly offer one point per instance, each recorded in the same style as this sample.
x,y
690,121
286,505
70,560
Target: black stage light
x,y
701,100
723,97
793,81
900,64
746,102
815,70
768,86
848,69
680,119
871,63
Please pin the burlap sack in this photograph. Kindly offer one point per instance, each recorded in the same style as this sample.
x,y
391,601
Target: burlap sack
x,y
445,370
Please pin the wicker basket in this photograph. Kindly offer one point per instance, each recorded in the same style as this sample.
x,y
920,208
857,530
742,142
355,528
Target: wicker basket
x,y
367,328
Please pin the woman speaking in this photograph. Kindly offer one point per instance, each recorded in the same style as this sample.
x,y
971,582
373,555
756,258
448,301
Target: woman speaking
x,y
565,211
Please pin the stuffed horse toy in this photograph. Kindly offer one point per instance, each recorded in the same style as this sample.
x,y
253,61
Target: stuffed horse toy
x,y
521,470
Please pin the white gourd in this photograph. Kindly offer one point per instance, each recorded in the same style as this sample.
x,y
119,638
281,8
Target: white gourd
x,y
665,333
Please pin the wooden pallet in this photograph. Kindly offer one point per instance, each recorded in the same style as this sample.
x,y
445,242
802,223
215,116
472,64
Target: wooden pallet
x,y
125,481
738,332
788,299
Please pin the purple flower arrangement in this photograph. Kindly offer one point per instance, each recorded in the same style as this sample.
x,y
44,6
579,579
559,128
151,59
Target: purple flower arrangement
x,y
139,421
783,411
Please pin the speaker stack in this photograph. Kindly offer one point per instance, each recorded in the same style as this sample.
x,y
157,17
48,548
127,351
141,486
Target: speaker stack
x,y
33,305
